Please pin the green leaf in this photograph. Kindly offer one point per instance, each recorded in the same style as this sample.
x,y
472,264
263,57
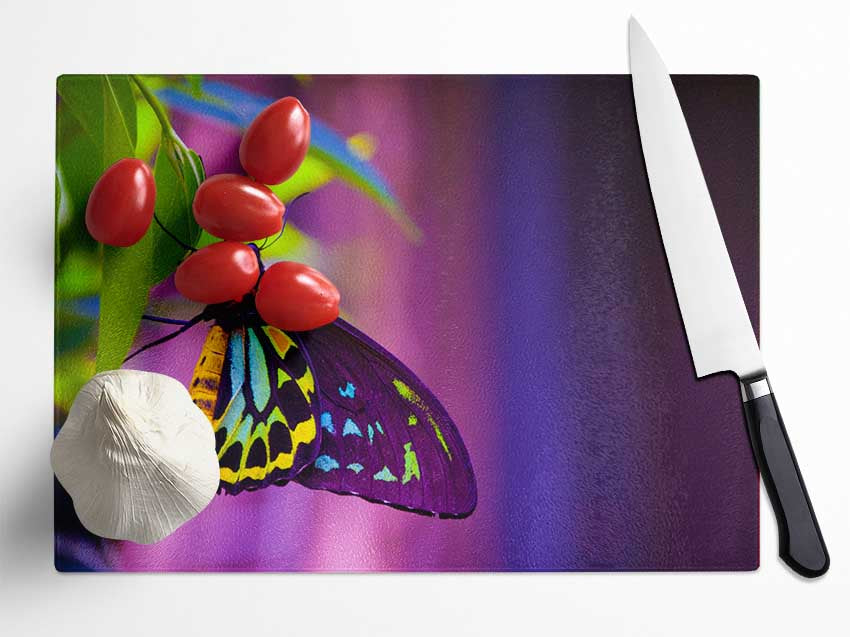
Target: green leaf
x,y
329,157
350,175
294,245
130,273
73,369
195,83
105,107
96,126
98,123
119,119
148,130
312,174
72,330
174,194
320,168
82,97
127,273
80,274
77,170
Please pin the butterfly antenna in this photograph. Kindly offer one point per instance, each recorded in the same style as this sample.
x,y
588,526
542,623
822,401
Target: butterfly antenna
x,y
185,326
280,234
163,319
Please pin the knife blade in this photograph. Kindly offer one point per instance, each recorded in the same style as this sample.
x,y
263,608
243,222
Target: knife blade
x,y
718,328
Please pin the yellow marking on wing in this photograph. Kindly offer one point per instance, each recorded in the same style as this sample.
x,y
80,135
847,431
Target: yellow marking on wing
x,y
411,464
227,474
255,473
307,385
303,434
207,374
280,340
413,398
282,377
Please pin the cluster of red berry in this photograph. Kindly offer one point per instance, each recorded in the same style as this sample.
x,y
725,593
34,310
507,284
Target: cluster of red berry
x,y
236,209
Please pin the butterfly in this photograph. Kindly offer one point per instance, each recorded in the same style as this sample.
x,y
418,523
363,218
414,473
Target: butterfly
x,y
329,409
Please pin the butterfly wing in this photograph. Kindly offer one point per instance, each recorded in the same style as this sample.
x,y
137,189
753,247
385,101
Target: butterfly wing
x,y
256,387
385,436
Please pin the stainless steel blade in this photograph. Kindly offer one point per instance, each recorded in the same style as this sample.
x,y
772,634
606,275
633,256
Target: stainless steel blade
x,y
719,332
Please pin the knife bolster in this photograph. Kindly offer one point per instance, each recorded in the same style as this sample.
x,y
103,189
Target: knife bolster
x,y
752,388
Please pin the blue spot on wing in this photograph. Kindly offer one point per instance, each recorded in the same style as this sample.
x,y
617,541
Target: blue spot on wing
x,y
385,475
244,431
351,429
233,413
326,463
236,353
348,392
379,428
370,432
261,389
326,422
356,467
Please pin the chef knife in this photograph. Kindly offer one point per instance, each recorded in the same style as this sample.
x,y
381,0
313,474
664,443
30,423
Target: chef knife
x,y
718,328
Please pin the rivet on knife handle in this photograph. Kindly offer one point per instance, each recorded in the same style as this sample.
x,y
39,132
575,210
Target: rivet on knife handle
x,y
801,544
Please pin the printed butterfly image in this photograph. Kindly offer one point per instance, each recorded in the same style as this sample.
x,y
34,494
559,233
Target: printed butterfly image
x,y
272,387
327,408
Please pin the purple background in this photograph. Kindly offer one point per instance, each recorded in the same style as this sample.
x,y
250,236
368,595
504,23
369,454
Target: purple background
x,y
539,309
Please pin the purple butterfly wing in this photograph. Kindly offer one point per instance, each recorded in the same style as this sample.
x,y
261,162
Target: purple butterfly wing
x,y
385,436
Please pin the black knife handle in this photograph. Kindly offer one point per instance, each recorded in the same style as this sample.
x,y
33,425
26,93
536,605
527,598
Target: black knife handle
x,y
801,544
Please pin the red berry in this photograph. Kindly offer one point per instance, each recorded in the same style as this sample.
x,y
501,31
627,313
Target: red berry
x,y
237,208
276,141
220,272
120,206
294,296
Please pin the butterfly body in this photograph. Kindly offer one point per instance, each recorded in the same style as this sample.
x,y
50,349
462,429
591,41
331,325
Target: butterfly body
x,y
330,409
